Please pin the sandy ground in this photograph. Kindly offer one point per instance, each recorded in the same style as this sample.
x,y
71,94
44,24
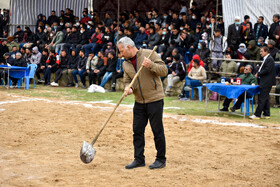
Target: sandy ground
x,y
40,142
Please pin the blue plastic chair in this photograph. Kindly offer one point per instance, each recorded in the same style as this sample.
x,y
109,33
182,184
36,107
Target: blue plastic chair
x,y
32,70
249,101
187,57
200,95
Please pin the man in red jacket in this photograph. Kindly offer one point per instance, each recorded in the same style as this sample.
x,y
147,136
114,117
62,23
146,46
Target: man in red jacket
x,y
95,42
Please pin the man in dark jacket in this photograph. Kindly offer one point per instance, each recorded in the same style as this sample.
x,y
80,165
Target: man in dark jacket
x,y
64,57
52,64
42,65
266,76
19,34
52,18
140,37
235,33
261,30
203,52
3,49
71,66
81,68
18,62
73,39
110,68
7,60
273,26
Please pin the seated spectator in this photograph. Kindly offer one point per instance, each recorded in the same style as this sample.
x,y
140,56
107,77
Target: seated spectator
x,y
52,18
18,62
42,65
140,37
232,52
27,56
153,39
81,68
66,39
108,37
59,37
203,52
14,51
95,42
178,73
228,69
85,18
85,35
242,64
118,73
35,56
195,57
28,38
194,78
272,49
241,50
64,58
247,78
163,43
8,60
19,35
73,39
92,62
71,66
261,42
41,38
253,50
110,68
248,34
52,64
100,69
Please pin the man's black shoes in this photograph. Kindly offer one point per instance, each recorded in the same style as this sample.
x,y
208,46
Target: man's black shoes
x,y
224,109
157,165
135,164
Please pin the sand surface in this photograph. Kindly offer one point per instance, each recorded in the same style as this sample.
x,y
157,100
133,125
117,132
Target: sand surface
x,y
40,140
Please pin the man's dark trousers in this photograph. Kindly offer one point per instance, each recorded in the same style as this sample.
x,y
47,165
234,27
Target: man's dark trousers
x,y
141,114
263,102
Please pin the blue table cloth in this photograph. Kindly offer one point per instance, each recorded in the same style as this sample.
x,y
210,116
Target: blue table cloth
x,y
233,91
16,71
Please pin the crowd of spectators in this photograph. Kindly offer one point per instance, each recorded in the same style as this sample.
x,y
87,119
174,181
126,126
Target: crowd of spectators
x,y
66,44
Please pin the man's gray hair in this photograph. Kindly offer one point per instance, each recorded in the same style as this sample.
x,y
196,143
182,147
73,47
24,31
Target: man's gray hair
x,y
251,67
125,41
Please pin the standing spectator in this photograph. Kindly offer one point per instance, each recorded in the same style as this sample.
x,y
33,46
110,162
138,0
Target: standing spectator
x,y
183,7
261,30
108,20
178,73
118,73
110,68
42,65
266,76
18,35
273,26
71,66
3,49
248,79
52,18
276,35
235,33
81,68
64,58
92,62
52,64
218,46
36,56
203,52
244,24
248,34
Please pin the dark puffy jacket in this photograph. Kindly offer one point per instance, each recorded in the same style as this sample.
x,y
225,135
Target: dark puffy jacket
x,y
111,64
73,62
64,61
82,62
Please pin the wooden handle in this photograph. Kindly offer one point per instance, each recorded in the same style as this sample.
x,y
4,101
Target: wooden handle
x,y
119,102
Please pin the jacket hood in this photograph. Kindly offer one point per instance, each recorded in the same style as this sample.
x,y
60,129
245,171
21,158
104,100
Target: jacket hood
x,y
35,49
253,44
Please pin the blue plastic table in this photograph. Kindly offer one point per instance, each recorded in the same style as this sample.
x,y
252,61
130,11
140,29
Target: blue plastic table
x,y
16,71
230,91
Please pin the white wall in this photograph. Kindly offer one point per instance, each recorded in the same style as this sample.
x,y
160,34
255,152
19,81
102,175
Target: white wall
x,y
5,4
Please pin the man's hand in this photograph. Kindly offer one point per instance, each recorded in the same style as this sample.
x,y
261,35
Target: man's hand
x,y
49,66
119,71
96,71
88,71
146,62
174,74
69,70
277,37
42,67
128,91
256,75
79,69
